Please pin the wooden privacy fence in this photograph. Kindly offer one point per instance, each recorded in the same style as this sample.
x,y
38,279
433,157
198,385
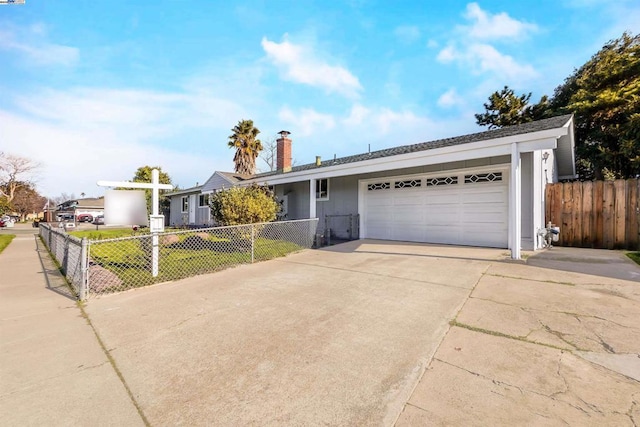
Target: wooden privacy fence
x,y
597,214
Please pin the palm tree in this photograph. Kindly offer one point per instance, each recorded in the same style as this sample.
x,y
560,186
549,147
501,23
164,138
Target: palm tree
x,y
244,140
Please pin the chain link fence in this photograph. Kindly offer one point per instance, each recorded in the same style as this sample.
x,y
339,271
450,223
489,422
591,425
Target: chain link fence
x,y
70,252
115,265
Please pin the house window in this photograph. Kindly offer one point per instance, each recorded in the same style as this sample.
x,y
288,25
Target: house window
x,y
203,200
322,189
411,183
185,204
446,180
483,177
378,186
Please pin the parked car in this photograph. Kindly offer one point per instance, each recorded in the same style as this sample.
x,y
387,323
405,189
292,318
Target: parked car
x,y
67,225
6,221
85,218
99,220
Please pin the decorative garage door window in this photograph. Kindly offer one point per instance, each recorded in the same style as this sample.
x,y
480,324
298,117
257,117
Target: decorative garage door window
x,y
379,186
411,183
446,180
483,177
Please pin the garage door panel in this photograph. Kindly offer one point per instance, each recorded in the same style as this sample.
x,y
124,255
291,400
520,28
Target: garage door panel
x,y
441,199
409,234
467,214
374,201
445,234
484,197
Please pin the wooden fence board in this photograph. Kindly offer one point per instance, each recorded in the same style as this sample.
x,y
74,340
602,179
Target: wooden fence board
x,y
598,198
620,207
608,215
587,215
576,215
566,223
632,214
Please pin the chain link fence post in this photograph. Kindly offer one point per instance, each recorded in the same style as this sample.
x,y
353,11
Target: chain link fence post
x,y
84,258
253,243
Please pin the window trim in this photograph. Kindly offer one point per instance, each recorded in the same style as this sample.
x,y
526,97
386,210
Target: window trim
x,y
319,197
205,198
185,204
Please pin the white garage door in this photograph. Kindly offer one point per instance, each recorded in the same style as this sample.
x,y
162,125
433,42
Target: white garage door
x,y
460,209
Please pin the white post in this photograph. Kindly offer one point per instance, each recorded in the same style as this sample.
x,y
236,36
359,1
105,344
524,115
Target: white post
x,y
312,198
515,202
155,196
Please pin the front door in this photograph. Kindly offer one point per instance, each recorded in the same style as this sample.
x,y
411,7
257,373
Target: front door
x,y
192,208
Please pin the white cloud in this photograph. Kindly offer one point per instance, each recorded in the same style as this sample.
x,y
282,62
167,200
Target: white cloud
x,y
483,58
307,121
470,50
387,120
486,26
357,115
82,135
35,48
448,54
407,33
450,99
299,64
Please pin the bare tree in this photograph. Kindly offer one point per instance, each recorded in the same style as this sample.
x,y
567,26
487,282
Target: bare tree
x,y
269,154
15,172
63,197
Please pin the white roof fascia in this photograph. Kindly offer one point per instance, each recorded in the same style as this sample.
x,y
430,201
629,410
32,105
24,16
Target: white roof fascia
x,y
573,147
467,151
540,144
386,163
181,192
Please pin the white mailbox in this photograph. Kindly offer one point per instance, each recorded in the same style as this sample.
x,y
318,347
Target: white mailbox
x,y
156,223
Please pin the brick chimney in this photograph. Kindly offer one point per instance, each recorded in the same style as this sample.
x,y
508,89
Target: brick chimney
x,y
283,152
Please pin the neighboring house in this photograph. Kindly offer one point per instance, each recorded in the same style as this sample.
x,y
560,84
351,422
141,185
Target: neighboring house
x,y
482,189
191,206
71,209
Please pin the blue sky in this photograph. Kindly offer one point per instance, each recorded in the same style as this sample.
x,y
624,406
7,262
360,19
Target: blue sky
x,y
94,89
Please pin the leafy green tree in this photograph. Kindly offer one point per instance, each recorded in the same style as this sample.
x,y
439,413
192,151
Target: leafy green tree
x,y
248,146
505,108
604,95
244,205
143,174
5,205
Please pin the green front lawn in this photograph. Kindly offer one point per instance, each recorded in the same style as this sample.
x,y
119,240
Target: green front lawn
x,y
5,239
635,256
189,256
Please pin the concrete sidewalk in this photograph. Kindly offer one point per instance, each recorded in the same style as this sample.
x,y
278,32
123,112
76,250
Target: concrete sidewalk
x,y
53,370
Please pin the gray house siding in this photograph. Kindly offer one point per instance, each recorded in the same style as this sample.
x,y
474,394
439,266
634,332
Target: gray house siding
x,y
215,182
343,194
176,216
298,199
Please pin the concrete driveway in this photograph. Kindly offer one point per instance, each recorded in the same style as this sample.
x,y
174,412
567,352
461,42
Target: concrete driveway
x,y
335,337
359,334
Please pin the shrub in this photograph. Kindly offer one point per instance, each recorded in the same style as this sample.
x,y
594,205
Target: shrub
x,y
244,205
